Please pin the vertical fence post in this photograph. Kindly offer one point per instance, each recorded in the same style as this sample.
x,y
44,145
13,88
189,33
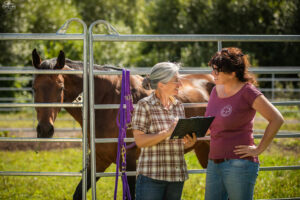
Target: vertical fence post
x,y
32,109
92,113
85,113
111,30
273,86
62,30
219,45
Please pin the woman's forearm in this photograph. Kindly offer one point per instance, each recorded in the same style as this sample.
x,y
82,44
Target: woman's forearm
x,y
270,133
274,117
147,140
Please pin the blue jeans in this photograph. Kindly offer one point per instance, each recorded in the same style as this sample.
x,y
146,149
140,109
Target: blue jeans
x,y
151,189
233,179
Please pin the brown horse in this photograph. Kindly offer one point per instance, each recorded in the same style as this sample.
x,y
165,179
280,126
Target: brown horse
x,y
63,88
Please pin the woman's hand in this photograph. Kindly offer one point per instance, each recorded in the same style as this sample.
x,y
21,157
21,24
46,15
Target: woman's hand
x,y
246,151
172,127
189,141
148,140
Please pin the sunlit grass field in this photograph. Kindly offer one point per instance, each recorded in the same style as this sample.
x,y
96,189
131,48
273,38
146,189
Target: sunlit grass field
x,y
270,184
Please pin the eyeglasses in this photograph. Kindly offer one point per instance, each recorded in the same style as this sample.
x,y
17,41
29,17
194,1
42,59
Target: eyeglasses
x,y
176,81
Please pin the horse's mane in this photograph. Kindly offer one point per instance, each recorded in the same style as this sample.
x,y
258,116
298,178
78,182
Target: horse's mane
x,y
79,65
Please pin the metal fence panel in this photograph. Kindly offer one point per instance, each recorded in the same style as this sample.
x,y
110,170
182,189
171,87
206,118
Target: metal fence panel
x,y
60,35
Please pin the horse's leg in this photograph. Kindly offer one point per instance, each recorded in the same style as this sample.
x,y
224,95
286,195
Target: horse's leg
x,y
78,192
131,166
201,149
101,167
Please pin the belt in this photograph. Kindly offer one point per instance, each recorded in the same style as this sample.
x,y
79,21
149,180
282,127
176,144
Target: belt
x,y
217,161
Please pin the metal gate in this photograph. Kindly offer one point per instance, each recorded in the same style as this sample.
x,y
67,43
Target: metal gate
x,y
60,35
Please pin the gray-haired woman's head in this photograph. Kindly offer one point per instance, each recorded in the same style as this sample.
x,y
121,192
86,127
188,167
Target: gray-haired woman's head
x,y
161,72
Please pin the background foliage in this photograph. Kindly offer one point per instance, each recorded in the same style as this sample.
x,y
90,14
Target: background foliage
x,y
152,17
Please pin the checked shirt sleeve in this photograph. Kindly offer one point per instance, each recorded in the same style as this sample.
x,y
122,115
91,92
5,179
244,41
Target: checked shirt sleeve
x,y
140,117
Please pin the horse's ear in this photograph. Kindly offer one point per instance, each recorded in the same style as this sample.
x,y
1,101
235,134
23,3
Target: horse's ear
x,y
36,60
60,62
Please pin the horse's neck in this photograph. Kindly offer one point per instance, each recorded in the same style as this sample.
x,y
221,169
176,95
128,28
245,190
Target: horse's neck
x,y
106,88
137,90
73,87
107,91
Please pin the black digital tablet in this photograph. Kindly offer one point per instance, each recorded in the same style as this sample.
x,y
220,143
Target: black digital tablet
x,y
198,125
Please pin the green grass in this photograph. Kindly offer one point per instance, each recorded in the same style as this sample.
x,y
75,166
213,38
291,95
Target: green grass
x,y
30,187
67,160
270,184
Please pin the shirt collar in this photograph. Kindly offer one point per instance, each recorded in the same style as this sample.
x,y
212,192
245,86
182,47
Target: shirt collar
x,y
154,100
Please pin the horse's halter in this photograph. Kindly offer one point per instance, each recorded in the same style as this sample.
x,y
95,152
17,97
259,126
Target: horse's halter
x,y
78,99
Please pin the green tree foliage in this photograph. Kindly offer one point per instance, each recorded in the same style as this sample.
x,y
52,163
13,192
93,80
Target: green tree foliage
x,y
153,17
225,17
273,17
129,12
127,16
34,16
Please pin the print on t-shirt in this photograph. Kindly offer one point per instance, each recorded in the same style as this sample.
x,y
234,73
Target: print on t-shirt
x,y
226,110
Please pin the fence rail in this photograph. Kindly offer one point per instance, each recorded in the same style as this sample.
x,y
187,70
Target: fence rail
x,y
146,70
41,36
129,173
114,140
34,129
195,38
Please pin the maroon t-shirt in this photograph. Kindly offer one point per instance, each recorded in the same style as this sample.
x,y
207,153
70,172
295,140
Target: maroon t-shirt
x,y
233,123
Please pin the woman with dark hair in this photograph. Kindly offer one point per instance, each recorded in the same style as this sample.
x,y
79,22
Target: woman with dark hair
x,y
233,158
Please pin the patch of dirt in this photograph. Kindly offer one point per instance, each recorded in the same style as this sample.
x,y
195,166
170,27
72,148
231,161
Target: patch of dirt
x,y
289,147
40,146
285,145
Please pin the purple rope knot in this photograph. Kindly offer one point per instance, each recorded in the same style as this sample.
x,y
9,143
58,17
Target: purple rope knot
x,y
123,121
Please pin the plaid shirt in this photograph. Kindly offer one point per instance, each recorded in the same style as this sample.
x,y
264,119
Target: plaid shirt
x,y
165,160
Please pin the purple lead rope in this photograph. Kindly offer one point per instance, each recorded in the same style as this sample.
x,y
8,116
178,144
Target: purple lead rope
x,y
123,119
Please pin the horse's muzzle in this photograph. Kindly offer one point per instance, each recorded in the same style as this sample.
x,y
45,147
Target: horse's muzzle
x,y
45,130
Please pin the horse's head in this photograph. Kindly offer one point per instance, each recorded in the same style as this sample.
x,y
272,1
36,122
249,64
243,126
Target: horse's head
x,y
48,88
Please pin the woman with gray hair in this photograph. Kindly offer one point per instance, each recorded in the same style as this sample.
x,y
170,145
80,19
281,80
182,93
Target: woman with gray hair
x,y
161,169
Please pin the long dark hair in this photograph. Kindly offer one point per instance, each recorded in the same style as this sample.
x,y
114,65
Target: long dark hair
x,y
230,60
